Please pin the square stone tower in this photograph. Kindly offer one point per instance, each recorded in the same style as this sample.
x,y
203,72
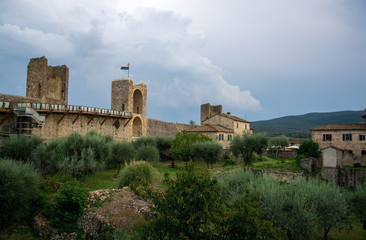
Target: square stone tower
x,y
130,97
48,84
208,111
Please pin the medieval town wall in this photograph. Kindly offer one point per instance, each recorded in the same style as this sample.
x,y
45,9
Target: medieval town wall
x,y
55,126
161,128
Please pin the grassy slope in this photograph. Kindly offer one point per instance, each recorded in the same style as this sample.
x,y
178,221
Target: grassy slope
x,y
303,123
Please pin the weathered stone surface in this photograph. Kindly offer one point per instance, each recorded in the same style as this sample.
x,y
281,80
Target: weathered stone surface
x,y
344,177
161,128
308,164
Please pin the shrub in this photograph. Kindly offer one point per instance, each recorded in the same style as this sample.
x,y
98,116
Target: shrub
x,y
19,148
19,185
99,144
210,152
137,173
182,144
144,141
228,161
69,205
148,153
40,158
79,166
357,199
186,210
122,152
309,148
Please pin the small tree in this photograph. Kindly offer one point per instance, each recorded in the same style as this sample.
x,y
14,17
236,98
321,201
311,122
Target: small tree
x,y
186,210
309,148
147,153
19,186
69,205
330,206
182,143
245,145
210,152
278,142
122,152
19,148
357,199
40,158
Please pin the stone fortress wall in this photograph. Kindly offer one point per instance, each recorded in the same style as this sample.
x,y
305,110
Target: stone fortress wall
x,y
48,86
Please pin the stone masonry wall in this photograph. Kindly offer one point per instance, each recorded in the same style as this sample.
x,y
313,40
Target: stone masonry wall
x,y
51,129
161,128
344,177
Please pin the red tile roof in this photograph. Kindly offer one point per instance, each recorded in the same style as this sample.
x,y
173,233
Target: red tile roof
x,y
238,119
210,128
356,126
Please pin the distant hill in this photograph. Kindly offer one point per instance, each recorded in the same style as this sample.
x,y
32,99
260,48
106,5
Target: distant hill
x,y
303,123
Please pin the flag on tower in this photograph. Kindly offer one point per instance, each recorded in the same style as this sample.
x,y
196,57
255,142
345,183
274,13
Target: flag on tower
x,y
127,67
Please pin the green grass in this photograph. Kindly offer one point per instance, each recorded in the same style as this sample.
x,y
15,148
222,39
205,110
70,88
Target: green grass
x,y
18,231
355,233
282,165
101,180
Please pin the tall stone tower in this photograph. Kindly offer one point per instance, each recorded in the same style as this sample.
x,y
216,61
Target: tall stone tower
x,y
130,97
46,83
208,111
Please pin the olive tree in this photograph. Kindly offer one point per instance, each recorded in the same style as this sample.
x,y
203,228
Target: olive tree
x,y
210,152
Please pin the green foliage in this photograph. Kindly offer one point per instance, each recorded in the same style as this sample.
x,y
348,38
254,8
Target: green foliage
x,y
148,153
309,148
210,152
122,153
144,141
186,210
79,166
40,158
242,221
245,145
19,147
330,206
137,173
99,144
228,161
19,186
182,143
357,200
299,157
69,205
298,208
163,144
276,143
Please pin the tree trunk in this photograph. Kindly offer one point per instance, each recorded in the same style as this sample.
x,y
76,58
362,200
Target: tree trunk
x,y
364,224
326,231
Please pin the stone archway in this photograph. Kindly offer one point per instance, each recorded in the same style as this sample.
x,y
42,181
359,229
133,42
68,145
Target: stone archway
x,y
137,102
136,127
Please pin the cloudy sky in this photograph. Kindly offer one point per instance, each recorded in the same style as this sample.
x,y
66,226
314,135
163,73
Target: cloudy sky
x,y
260,59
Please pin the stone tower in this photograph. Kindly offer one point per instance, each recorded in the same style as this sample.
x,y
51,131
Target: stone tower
x,y
208,111
130,97
46,83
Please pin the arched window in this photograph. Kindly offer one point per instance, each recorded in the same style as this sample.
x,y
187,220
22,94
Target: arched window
x,y
136,127
137,102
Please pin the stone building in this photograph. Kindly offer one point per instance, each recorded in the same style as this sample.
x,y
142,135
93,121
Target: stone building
x,y
45,111
219,126
341,144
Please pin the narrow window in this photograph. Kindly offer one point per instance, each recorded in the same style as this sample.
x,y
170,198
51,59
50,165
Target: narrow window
x,y
362,137
237,125
123,107
245,126
138,110
327,137
229,137
347,137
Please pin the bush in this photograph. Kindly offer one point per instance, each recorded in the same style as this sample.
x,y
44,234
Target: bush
x,y
40,158
144,141
69,205
186,210
210,152
122,152
309,148
357,199
228,161
19,148
137,173
99,144
148,153
19,186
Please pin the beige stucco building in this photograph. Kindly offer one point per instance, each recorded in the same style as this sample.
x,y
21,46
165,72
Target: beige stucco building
x,y
341,144
219,126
